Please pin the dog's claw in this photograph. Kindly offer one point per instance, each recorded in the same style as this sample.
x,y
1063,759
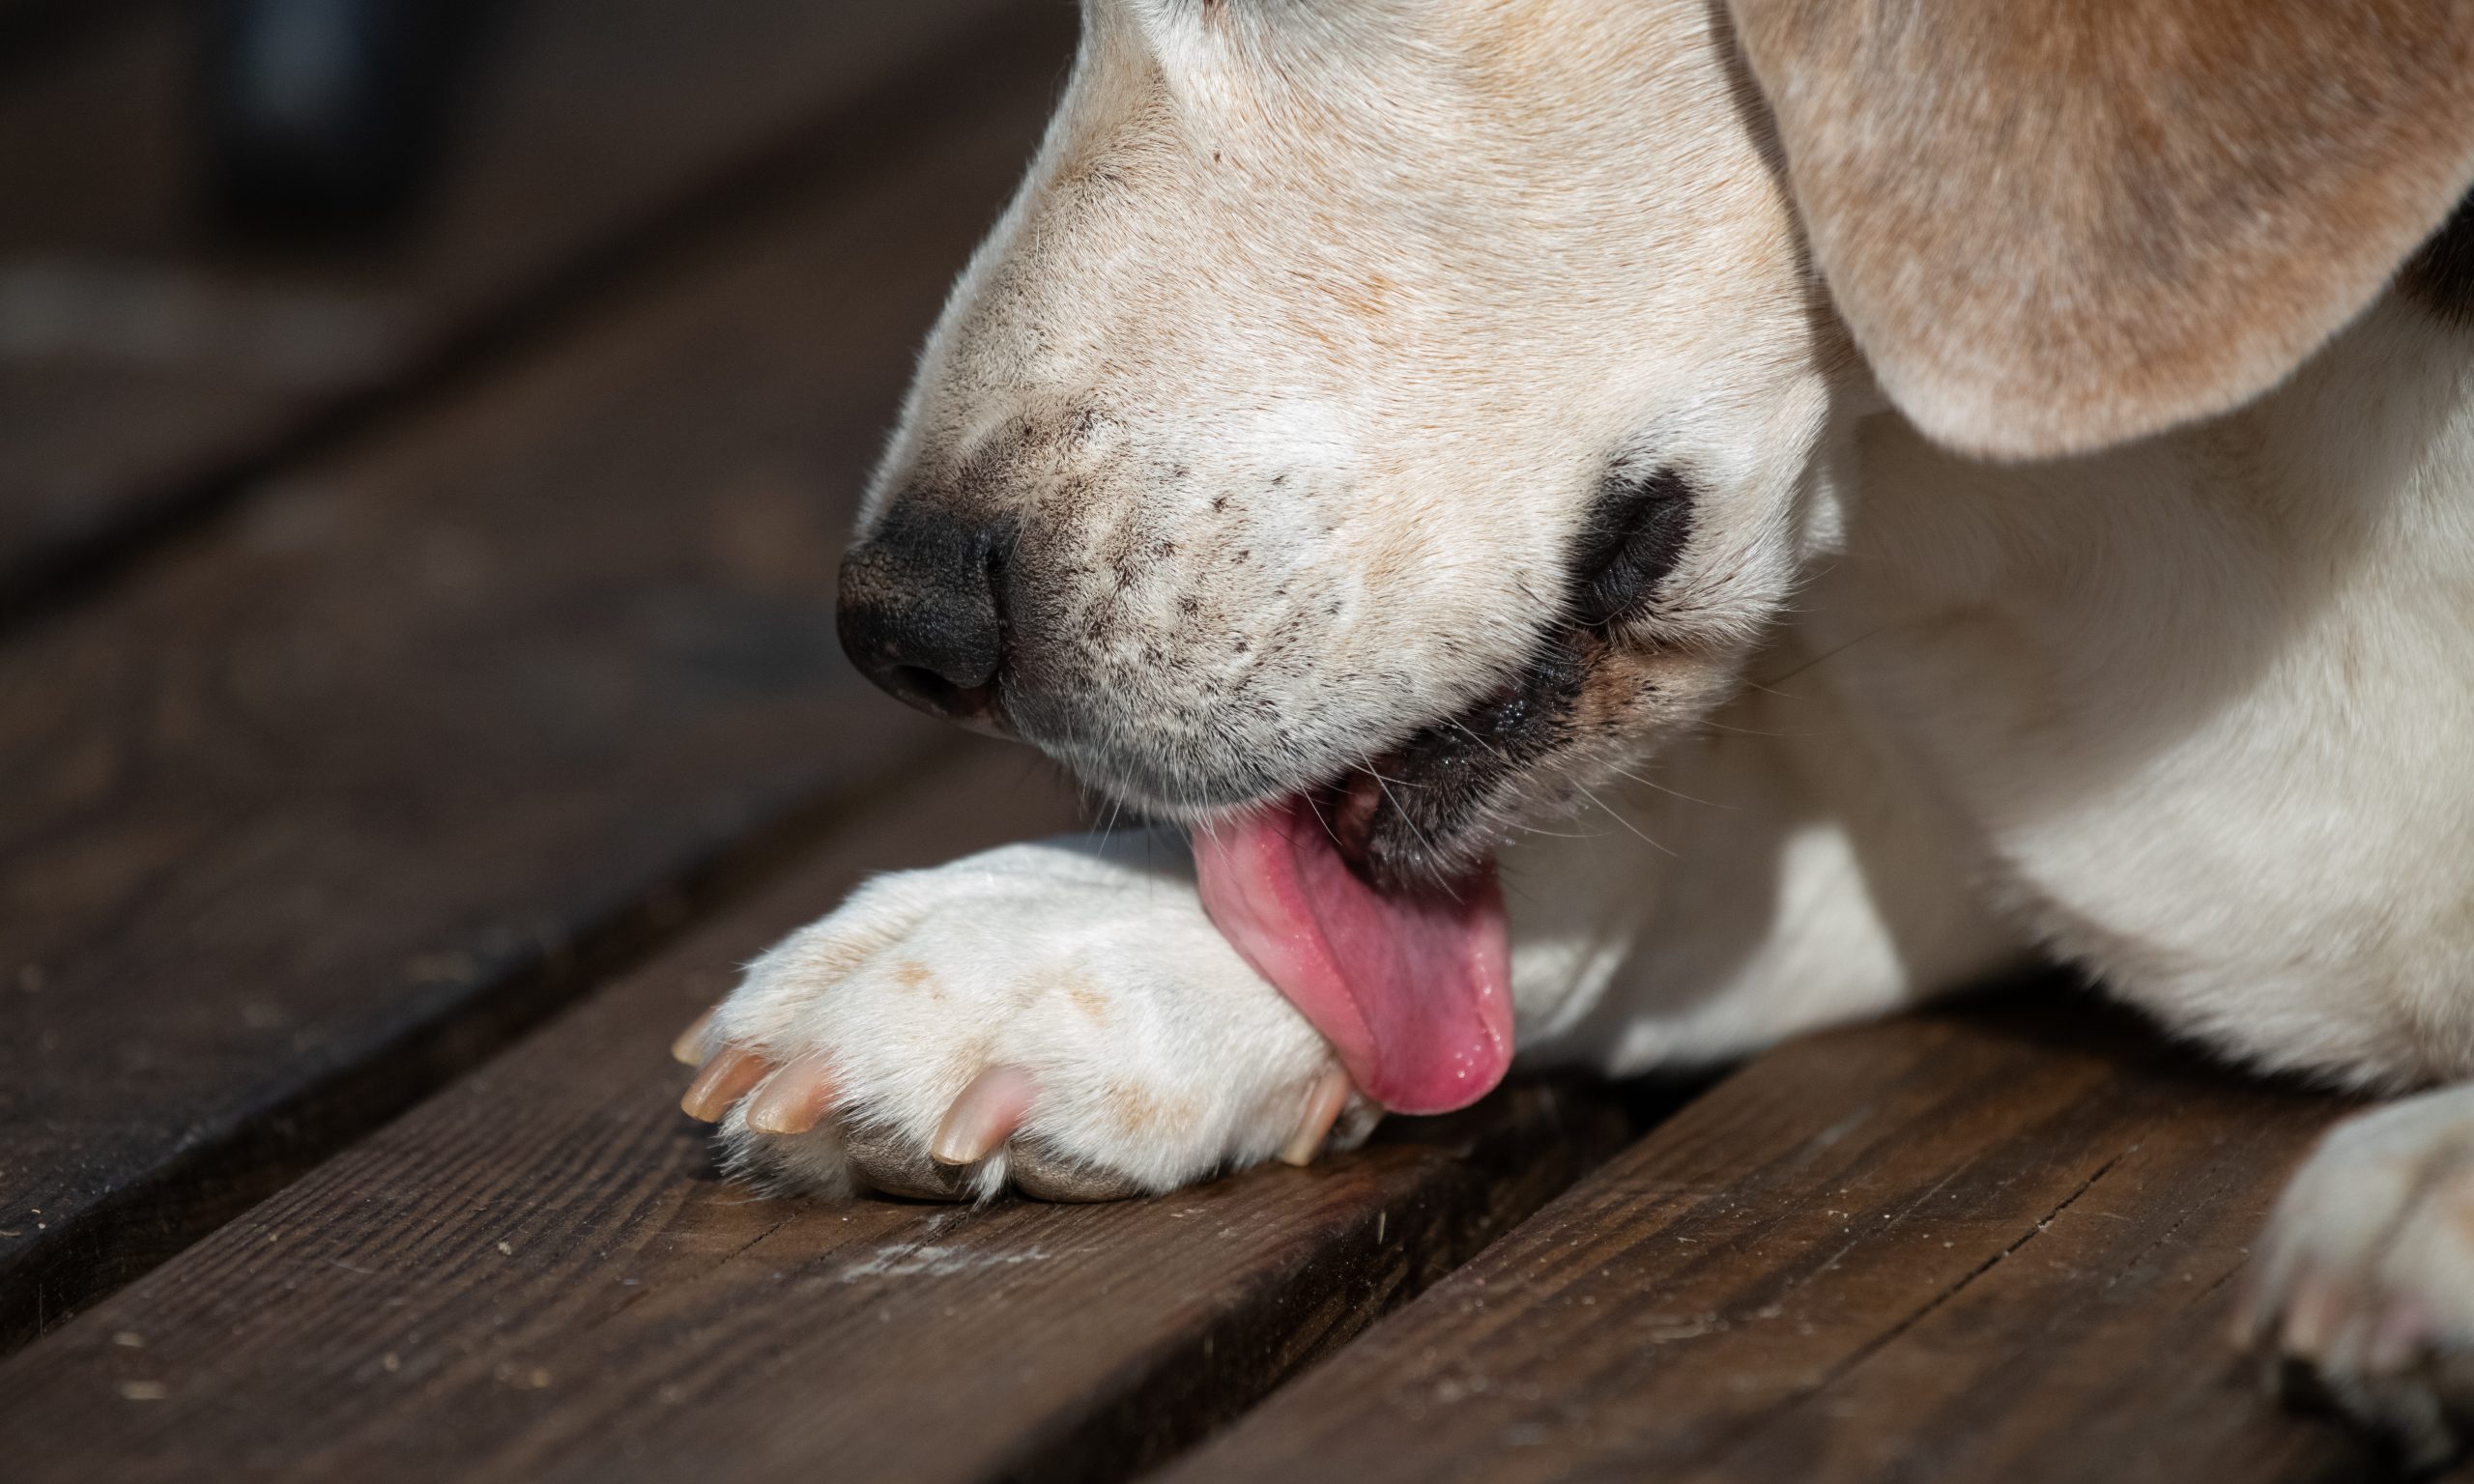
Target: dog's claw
x,y
2316,1310
1323,1106
795,1097
793,1100
985,1116
689,1049
724,1081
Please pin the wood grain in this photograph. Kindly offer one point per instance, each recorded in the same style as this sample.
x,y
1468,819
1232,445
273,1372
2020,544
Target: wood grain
x,y
324,805
150,366
534,1276
1984,1247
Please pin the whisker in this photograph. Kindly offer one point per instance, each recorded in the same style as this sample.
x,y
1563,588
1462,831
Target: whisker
x,y
1500,755
1833,654
1618,819
1397,783
1533,829
1673,794
1404,815
1753,732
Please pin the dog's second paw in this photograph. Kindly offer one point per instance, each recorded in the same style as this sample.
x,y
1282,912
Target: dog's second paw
x,y
1060,1017
2365,1286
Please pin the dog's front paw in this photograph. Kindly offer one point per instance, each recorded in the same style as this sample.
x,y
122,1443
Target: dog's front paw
x,y
1059,1016
2366,1276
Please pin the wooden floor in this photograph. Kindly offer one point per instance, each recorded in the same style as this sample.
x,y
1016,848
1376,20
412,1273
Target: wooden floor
x,y
418,692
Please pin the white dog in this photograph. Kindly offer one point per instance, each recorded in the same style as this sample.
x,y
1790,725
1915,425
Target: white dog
x,y
1954,479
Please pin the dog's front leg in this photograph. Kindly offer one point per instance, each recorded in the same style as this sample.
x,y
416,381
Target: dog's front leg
x,y
1766,876
2364,1280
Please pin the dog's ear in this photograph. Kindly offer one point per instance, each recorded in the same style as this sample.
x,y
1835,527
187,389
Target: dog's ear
x,y
2055,224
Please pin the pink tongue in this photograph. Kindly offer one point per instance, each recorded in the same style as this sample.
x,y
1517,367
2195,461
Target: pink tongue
x,y
1411,991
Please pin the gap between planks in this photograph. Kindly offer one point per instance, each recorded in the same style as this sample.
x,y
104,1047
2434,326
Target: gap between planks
x,y
1990,1247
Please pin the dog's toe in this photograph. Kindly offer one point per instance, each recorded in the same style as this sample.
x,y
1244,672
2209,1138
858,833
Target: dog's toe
x,y
889,1162
2365,1290
1046,1176
794,1099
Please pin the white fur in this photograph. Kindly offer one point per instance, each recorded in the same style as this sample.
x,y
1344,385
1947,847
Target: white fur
x,y
2202,704
2197,712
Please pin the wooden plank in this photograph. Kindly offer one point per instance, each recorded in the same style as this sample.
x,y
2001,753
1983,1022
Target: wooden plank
x,y
322,805
535,1277
146,362
1971,1247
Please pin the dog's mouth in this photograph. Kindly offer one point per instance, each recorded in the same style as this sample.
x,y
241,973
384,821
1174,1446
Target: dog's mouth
x,y
1372,902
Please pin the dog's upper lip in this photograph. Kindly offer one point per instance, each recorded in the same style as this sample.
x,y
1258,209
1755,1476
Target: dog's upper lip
x,y
1633,538
1411,815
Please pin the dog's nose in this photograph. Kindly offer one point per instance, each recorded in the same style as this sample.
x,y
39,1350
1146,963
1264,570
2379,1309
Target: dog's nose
x,y
920,614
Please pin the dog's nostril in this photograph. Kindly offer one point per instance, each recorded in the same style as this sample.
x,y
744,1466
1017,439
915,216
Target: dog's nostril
x,y
920,613
970,705
924,683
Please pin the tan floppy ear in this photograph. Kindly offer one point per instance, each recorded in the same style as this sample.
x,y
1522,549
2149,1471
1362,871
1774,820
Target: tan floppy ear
x,y
2057,224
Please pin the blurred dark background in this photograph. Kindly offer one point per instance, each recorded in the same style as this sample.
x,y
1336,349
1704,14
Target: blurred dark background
x,y
223,222
329,114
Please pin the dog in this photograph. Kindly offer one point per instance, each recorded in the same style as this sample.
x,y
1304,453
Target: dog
x,y
1925,485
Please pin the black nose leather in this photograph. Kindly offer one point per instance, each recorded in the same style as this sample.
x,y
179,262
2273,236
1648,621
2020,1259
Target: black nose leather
x,y
919,612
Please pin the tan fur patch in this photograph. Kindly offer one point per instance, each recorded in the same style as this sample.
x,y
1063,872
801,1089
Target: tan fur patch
x,y
1136,1112
2054,225
837,959
1087,999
